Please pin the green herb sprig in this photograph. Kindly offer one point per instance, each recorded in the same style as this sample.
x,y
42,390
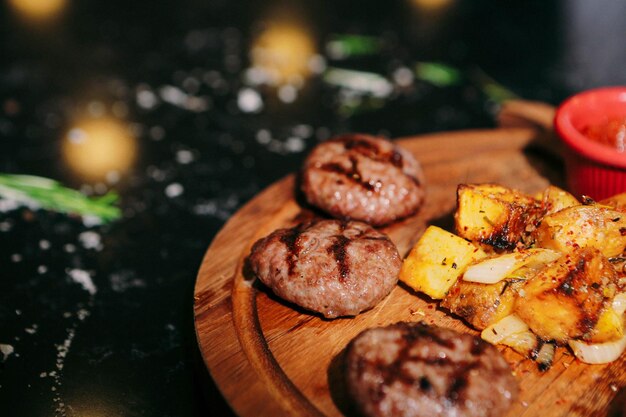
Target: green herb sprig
x,y
34,191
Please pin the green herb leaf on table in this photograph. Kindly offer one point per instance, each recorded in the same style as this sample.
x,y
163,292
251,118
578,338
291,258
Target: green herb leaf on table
x,y
39,192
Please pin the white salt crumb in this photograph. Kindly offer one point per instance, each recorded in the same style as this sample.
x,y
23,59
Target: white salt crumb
x,y
43,375
6,351
63,350
303,131
294,144
263,136
42,269
256,76
16,257
177,97
32,329
146,99
403,76
173,95
90,240
91,221
249,101
317,64
44,244
4,226
174,190
83,278
69,248
123,280
287,93
82,314
184,156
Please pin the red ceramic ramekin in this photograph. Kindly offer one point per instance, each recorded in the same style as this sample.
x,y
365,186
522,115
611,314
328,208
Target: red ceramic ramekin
x,y
593,169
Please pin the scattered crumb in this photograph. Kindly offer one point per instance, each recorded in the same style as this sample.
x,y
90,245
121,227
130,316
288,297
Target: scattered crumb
x,y
174,190
83,278
6,351
184,156
90,240
32,329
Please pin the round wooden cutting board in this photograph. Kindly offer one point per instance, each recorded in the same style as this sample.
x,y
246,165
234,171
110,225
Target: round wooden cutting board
x,y
270,358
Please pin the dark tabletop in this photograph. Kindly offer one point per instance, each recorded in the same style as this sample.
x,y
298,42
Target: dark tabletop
x,y
201,108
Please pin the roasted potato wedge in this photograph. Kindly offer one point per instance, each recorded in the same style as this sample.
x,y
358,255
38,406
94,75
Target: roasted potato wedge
x,y
566,298
584,225
495,215
481,304
617,202
556,199
610,327
436,261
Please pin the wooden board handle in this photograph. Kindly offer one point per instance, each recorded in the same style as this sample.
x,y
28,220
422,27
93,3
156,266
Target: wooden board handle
x,y
536,115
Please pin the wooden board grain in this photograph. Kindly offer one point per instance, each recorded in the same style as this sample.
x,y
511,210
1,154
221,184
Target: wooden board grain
x,y
270,358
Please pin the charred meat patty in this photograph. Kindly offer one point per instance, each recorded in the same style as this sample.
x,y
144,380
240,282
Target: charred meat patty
x,y
363,177
412,369
334,267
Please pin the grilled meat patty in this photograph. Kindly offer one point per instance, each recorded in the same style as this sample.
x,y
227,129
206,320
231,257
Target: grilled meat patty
x,y
416,370
363,177
334,267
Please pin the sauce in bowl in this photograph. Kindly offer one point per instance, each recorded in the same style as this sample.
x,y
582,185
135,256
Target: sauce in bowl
x,y
611,133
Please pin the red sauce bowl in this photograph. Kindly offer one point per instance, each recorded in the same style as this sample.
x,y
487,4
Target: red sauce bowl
x,y
593,169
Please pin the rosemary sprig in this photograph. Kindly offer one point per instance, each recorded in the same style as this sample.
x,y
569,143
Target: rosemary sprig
x,y
438,74
39,192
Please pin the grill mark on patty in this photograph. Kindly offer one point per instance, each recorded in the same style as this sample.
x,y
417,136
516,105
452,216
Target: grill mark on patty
x,y
478,347
338,250
371,150
412,333
460,381
459,378
352,173
291,239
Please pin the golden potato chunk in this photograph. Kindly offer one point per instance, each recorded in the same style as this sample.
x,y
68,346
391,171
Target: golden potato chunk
x,y
578,226
610,327
495,215
566,298
618,202
556,199
436,261
481,304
